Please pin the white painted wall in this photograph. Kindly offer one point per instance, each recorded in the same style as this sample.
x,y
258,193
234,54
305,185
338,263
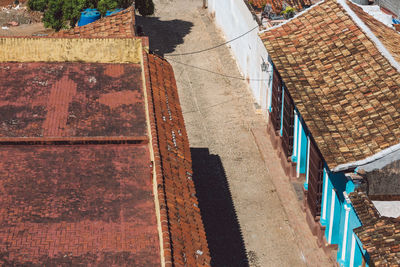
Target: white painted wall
x,y
388,208
234,18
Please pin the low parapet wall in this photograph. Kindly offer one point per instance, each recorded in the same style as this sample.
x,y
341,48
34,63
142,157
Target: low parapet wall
x,y
71,50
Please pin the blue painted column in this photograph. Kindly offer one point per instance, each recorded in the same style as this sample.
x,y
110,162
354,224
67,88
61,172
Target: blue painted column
x,y
302,144
271,79
324,204
342,252
295,137
333,206
350,254
363,252
308,163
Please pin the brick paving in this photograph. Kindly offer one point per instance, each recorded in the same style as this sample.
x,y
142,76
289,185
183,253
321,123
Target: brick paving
x,y
71,99
77,205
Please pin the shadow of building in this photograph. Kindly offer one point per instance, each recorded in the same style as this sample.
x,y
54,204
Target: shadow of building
x,y
164,35
223,231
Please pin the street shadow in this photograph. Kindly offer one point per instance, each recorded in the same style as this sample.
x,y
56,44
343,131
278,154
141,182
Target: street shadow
x,y
164,36
222,227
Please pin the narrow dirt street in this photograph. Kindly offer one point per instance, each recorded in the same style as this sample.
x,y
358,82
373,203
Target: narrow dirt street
x,y
244,218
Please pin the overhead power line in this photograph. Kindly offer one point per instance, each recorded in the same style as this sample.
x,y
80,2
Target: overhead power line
x,y
213,47
216,73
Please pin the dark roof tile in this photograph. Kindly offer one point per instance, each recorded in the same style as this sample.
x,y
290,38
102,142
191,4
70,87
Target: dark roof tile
x,y
380,236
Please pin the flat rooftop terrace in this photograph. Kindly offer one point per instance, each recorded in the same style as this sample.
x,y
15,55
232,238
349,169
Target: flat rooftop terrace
x,y
71,100
76,179
77,205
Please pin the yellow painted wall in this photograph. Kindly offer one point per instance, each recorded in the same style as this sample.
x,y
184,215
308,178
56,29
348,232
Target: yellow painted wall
x,y
70,50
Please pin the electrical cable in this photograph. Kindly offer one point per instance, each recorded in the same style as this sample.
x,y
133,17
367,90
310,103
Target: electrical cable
x,y
216,73
211,48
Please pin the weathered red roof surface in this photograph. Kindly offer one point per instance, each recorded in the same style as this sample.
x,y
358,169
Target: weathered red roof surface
x,y
105,109
118,25
346,91
77,205
184,238
71,99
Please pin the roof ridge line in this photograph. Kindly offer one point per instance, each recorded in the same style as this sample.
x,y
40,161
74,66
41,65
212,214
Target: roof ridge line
x,y
297,15
383,153
367,31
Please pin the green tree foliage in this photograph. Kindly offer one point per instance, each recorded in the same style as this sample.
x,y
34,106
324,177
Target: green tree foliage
x,y
145,7
38,5
104,5
59,14
72,10
53,16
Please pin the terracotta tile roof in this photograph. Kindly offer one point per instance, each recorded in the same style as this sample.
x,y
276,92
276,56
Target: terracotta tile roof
x,y
80,205
118,25
277,5
71,100
389,37
184,241
380,236
381,240
364,207
344,88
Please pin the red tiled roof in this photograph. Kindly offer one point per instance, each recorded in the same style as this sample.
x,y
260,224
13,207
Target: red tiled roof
x,y
71,100
184,241
86,205
347,92
118,25
183,237
388,36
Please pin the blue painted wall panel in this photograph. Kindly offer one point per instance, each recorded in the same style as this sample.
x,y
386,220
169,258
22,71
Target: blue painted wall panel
x,y
303,151
283,105
338,182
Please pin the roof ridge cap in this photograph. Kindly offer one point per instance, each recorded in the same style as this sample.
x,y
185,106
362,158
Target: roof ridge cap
x,y
371,36
383,153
